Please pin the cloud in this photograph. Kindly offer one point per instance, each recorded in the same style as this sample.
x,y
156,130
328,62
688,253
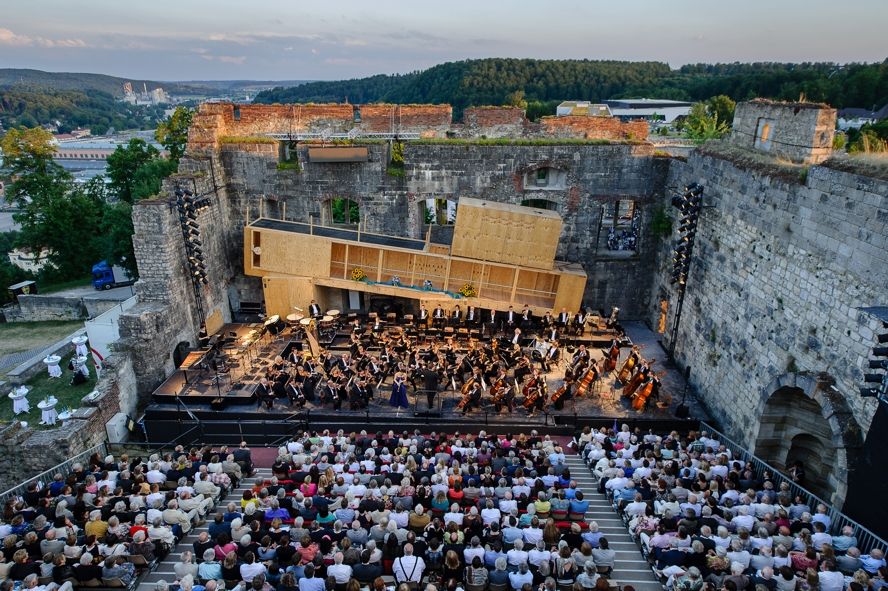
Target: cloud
x,y
8,37
225,59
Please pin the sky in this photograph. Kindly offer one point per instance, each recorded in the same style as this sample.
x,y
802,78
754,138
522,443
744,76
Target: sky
x,y
298,40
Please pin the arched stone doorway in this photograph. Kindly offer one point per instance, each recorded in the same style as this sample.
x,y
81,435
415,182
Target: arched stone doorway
x,y
802,417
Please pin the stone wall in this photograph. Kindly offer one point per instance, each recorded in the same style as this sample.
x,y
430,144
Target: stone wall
x,y
780,272
799,132
593,176
39,308
25,451
166,312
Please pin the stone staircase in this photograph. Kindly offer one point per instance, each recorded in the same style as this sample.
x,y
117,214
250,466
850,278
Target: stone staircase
x,y
630,567
164,570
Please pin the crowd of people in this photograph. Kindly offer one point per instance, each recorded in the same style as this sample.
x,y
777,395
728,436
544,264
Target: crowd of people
x,y
341,512
111,517
708,522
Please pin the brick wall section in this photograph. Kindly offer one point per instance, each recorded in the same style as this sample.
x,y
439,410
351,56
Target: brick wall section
x,y
216,120
427,120
604,128
780,270
800,132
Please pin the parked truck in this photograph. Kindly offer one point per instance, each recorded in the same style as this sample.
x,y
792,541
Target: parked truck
x,y
106,276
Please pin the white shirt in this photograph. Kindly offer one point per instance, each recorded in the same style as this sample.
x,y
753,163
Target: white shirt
x,y
831,581
488,516
407,568
341,572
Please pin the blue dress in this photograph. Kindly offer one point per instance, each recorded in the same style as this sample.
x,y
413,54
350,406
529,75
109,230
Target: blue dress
x,y
399,395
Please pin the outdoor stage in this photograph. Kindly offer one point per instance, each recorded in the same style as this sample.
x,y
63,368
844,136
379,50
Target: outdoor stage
x,y
222,407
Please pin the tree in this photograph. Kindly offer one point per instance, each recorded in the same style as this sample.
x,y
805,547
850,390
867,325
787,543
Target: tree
x,y
124,164
74,222
116,236
172,133
722,106
516,99
700,125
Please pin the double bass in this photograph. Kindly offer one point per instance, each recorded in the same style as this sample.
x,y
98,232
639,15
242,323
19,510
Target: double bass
x,y
610,363
640,376
532,393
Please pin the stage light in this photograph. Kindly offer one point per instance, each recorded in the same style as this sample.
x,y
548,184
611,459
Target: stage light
x,y
880,351
882,338
873,378
869,392
878,364
678,201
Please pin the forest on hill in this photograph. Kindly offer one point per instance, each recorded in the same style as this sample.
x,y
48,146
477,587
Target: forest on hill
x,y
546,82
31,106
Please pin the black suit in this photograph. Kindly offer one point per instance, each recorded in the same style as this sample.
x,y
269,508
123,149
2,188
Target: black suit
x,y
526,319
314,310
471,316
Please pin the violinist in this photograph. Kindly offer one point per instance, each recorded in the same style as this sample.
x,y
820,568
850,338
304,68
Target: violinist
x,y
264,394
361,394
522,369
294,393
330,394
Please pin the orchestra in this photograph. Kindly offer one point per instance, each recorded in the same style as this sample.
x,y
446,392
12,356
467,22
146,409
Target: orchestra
x,y
502,373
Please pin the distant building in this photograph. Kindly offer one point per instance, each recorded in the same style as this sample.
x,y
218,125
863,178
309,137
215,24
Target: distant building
x,y
665,111
69,147
582,108
153,97
26,259
854,118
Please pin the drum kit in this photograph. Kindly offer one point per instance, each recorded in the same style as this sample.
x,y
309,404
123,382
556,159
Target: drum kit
x,y
329,322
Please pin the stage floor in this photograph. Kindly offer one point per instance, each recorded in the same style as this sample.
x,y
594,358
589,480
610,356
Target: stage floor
x,y
236,390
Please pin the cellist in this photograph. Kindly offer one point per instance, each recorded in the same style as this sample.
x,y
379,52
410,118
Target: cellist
x,y
613,354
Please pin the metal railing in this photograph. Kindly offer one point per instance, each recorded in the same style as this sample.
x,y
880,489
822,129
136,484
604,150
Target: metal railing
x,y
45,478
866,539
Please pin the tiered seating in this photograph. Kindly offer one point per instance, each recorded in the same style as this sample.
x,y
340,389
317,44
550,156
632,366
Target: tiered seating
x,y
704,519
107,522
370,510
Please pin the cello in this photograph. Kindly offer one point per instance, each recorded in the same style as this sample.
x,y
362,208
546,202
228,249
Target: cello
x,y
610,364
640,398
587,380
628,366
559,394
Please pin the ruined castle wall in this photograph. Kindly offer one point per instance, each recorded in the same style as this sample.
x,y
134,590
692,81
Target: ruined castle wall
x,y
166,312
592,176
780,271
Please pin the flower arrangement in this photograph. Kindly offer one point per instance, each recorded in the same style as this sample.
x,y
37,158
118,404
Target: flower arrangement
x,y
358,274
396,281
427,285
467,291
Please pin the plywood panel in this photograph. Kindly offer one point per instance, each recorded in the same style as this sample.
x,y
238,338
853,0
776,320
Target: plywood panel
x,y
295,254
570,292
398,263
282,293
504,233
214,321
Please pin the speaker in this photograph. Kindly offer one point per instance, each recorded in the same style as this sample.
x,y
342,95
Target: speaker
x,y
682,412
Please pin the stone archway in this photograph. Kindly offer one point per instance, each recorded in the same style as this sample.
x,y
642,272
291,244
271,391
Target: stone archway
x,y
803,417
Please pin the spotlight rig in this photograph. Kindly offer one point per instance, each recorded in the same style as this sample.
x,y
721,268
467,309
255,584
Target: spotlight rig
x,y
689,205
876,380
188,205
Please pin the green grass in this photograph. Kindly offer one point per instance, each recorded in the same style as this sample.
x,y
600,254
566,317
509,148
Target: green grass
x,y
294,166
24,336
63,285
42,386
